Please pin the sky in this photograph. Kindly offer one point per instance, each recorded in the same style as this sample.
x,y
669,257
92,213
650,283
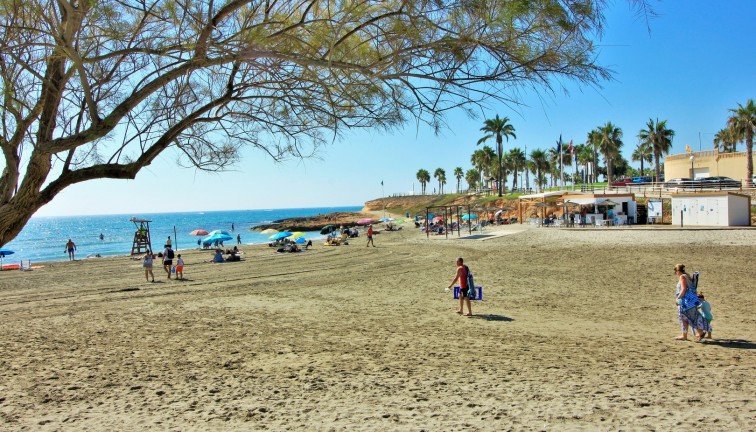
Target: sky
x,y
697,61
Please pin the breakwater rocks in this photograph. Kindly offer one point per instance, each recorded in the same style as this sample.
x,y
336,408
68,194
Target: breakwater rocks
x,y
316,223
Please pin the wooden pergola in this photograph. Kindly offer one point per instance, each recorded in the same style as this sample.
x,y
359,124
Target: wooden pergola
x,y
546,200
447,212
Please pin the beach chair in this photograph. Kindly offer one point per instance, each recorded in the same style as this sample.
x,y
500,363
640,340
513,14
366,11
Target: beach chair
x,y
25,265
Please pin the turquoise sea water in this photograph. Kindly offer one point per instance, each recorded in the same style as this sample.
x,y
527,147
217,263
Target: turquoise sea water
x,y
44,238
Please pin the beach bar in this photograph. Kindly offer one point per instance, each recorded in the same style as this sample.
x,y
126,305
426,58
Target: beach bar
x,y
711,209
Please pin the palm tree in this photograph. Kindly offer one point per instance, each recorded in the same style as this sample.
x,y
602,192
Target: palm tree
x,y
423,177
643,152
744,126
660,138
725,140
593,142
440,175
471,177
540,164
498,128
481,159
458,174
584,156
610,143
518,162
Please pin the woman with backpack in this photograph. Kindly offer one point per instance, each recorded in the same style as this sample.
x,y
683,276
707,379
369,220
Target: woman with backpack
x,y
687,306
463,273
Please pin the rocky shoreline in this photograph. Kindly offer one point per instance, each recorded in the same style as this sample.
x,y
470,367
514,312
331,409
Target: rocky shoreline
x,y
316,223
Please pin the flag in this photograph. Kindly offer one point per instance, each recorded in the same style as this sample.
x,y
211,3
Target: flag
x,y
559,144
381,182
571,149
687,148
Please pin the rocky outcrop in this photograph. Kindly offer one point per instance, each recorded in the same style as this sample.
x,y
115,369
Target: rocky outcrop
x,y
315,223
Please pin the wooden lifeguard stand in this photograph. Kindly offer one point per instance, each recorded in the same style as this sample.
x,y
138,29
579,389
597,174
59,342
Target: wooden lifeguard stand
x,y
142,241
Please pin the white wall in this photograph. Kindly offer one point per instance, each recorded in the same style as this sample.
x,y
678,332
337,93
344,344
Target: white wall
x,y
711,210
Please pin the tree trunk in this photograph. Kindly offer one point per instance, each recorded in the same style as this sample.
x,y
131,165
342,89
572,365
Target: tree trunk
x,y
749,156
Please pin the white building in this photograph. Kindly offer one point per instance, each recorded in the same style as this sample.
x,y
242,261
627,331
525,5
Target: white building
x,y
711,209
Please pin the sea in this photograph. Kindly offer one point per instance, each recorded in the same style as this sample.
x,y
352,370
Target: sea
x,y
43,239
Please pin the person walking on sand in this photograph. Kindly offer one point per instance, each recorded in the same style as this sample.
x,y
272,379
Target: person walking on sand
x,y
461,275
70,248
167,259
238,239
147,264
370,236
179,267
687,306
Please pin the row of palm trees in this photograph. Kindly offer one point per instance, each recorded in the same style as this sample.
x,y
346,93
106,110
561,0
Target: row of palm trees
x,y
605,141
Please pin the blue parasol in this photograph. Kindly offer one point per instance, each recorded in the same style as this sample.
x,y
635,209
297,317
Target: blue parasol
x,y
3,253
217,235
279,236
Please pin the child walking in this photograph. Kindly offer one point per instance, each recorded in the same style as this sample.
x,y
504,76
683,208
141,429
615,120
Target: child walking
x,y
705,310
147,264
180,268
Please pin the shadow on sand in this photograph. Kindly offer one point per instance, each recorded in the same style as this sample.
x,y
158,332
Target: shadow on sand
x,y
731,343
491,317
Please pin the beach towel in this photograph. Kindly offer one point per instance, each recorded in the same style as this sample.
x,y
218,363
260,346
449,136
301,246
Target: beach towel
x,y
478,293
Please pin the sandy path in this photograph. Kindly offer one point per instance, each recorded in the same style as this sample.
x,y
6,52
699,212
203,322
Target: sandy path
x,y
575,333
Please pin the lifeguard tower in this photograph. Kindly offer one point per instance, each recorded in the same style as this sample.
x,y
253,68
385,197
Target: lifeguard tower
x,y
142,242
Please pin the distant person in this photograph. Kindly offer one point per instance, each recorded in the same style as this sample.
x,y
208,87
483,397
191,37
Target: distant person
x,y
238,239
102,236
147,265
687,306
370,236
168,242
218,258
168,256
462,272
179,267
70,248
232,226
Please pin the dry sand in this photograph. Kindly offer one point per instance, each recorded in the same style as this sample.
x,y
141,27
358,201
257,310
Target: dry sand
x,y
575,333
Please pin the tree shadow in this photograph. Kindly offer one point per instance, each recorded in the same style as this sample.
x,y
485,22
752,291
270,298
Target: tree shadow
x,y
731,343
476,236
492,317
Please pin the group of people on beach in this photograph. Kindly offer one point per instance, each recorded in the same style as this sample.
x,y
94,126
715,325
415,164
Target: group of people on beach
x,y
167,257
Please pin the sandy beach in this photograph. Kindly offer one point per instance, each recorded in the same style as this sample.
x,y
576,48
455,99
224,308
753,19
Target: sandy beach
x,y
575,333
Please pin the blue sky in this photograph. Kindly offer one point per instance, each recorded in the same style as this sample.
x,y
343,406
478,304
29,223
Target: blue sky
x,y
697,62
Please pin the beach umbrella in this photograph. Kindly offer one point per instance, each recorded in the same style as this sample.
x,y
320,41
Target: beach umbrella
x,y
300,240
365,221
608,202
269,231
297,234
327,229
3,253
438,218
280,235
219,235
384,219
199,232
468,216
399,221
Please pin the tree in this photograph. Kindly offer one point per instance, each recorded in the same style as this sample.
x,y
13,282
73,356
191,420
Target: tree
x,y
518,160
659,137
458,174
584,156
423,176
482,160
744,126
440,175
497,128
725,140
643,152
96,90
593,141
540,165
471,177
610,142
